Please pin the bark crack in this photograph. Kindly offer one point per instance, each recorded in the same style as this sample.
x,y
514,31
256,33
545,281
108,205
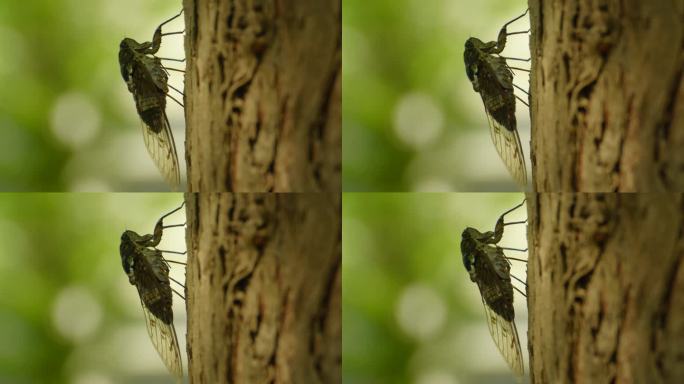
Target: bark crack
x,y
663,128
319,321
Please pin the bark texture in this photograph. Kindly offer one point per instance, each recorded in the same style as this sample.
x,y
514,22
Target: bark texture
x,y
606,288
264,288
607,95
263,95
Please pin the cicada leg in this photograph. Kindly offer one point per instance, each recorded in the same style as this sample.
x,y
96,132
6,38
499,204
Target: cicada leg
x,y
159,227
156,38
501,40
500,224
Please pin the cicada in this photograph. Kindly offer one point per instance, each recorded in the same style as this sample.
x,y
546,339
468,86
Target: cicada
x,y
148,271
147,80
492,78
489,268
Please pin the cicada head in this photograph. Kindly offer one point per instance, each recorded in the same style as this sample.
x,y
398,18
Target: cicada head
x,y
473,43
470,58
127,249
468,247
126,55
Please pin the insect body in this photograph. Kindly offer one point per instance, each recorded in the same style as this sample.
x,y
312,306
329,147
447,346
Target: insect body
x,y
148,271
492,78
489,268
147,80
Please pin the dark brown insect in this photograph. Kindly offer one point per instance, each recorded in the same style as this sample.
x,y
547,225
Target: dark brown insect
x,y
489,268
148,271
147,80
492,78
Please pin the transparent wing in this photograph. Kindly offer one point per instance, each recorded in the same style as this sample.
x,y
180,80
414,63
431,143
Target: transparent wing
x,y
507,143
495,81
505,336
164,339
162,149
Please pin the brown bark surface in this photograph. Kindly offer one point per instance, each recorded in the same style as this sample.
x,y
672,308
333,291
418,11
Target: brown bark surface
x,y
263,95
607,95
606,288
264,288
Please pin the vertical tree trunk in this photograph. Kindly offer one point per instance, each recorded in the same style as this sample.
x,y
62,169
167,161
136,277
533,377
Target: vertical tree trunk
x,y
264,288
606,288
263,95
607,95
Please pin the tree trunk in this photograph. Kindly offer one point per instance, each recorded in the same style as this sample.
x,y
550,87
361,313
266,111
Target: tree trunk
x,y
263,95
606,288
607,95
264,288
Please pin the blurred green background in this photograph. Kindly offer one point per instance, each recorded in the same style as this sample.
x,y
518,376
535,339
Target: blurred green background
x,y
67,121
410,312
68,313
411,120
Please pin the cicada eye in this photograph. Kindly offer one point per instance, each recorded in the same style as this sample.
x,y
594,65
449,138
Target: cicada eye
x,y
467,248
125,44
126,250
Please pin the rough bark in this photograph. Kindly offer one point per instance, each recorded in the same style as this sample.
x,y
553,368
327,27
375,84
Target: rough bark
x,y
606,288
264,288
607,95
263,95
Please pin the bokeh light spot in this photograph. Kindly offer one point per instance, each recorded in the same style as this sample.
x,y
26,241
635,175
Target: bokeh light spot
x,y
418,120
420,311
76,313
436,377
75,119
91,377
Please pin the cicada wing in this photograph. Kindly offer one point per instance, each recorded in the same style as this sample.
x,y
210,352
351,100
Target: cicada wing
x,y
165,341
509,147
495,81
505,336
148,84
156,298
162,149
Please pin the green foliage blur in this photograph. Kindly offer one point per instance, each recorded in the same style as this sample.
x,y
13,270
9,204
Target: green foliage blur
x,y
67,121
411,120
68,313
410,312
